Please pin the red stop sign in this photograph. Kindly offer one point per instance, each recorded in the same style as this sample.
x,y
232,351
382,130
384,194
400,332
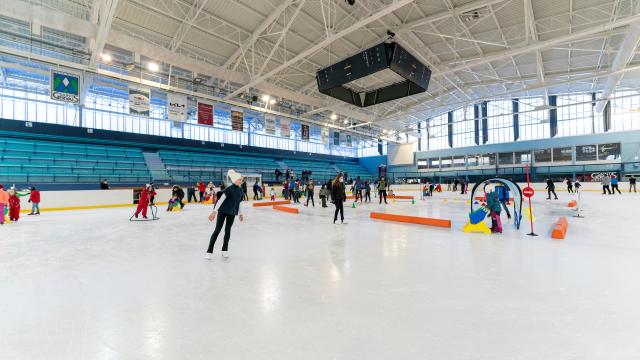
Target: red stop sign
x,y
528,192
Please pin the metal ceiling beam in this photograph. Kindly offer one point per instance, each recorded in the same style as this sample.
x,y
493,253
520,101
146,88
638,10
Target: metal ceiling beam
x,y
624,55
395,5
273,16
186,24
500,55
549,83
283,33
105,17
449,13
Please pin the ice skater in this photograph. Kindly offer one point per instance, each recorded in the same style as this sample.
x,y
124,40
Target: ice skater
x,y
569,185
324,194
309,189
614,185
34,199
632,183
367,192
226,209
606,183
143,202
338,197
382,190
493,204
4,202
551,189
14,205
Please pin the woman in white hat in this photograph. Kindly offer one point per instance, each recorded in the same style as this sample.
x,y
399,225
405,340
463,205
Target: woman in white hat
x,y
226,208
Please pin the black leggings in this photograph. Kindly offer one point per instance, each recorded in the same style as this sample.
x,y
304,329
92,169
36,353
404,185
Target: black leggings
x,y
310,197
339,208
367,196
201,196
227,231
552,191
382,193
615,188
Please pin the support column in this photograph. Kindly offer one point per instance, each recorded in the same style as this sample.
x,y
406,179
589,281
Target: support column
x,y
476,124
606,116
485,122
516,119
450,128
419,135
553,115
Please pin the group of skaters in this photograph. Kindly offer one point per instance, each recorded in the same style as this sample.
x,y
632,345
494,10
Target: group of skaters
x,y
610,185
10,203
429,187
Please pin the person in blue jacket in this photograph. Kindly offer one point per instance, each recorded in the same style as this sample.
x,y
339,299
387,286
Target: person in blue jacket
x,y
226,209
614,185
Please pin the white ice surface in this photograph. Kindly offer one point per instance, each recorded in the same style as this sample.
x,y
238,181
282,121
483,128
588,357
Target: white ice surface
x,y
92,285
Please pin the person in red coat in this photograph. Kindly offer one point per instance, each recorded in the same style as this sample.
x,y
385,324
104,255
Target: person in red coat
x,y
34,199
143,203
202,188
14,205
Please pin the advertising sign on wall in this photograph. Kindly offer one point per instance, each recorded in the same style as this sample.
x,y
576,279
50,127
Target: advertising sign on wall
x,y
177,107
205,114
139,101
65,87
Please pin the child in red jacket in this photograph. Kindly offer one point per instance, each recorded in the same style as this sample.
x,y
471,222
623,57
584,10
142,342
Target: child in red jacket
x,y
143,203
14,205
34,199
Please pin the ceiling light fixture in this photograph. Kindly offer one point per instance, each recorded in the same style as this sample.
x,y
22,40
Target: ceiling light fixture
x,y
334,117
265,98
153,67
106,58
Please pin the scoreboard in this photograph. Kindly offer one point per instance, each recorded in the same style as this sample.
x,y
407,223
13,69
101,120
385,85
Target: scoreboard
x,y
331,80
358,66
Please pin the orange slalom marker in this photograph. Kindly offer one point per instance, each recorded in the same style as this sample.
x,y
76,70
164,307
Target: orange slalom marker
x,y
560,228
572,203
411,219
270,203
286,209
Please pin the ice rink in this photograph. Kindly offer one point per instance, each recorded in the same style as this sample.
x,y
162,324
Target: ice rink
x,y
92,285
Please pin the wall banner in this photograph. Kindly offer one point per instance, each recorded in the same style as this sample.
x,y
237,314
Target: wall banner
x,y
325,135
285,128
65,87
139,102
177,107
305,132
237,120
270,125
205,114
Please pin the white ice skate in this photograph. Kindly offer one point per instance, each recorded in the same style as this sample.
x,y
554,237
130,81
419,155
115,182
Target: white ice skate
x,y
208,256
225,254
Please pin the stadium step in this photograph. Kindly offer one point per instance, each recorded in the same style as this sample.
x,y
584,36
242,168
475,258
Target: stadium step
x,y
156,166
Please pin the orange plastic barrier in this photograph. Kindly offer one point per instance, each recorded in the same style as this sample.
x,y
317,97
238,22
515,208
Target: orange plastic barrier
x,y
411,219
572,203
270,203
350,197
400,197
286,209
560,228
